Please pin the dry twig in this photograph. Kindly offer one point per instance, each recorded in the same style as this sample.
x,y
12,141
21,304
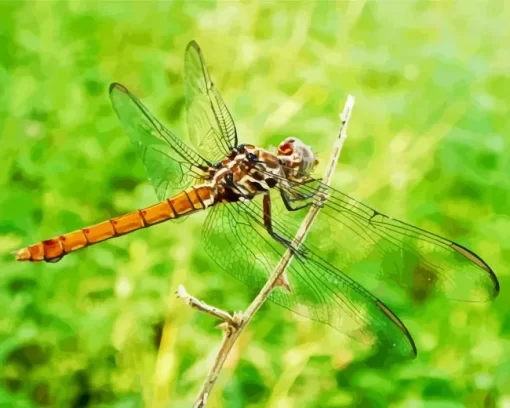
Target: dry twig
x,y
204,307
237,323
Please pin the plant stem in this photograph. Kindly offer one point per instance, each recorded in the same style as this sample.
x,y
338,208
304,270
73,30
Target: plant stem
x,y
234,332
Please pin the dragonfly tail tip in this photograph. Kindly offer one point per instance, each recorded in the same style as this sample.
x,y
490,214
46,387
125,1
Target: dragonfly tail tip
x,y
22,254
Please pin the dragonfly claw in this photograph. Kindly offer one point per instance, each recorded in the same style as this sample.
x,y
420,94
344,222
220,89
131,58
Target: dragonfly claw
x,y
289,245
320,199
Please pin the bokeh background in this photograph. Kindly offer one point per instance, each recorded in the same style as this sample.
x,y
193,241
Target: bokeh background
x,y
428,143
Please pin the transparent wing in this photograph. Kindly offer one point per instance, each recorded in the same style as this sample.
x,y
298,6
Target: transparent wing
x,y
235,238
170,164
211,127
373,244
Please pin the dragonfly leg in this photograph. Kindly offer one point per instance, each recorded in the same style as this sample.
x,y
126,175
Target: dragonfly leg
x,y
287,243
295,199
293,203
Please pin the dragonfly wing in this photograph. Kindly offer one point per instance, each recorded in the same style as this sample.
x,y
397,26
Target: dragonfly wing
x,y
373,244
236,239
210,124
170,164
229,238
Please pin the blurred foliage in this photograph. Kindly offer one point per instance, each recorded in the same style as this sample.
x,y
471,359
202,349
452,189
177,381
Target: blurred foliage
x,y
428,143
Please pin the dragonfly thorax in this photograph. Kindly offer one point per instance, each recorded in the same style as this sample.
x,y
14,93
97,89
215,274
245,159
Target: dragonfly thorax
x,y
247,172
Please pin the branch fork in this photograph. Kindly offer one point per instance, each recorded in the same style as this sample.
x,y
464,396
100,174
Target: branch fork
x,y
233,325
228,321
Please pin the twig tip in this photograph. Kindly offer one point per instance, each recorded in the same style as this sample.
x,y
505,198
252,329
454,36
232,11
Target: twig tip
x,y
349,104
181,292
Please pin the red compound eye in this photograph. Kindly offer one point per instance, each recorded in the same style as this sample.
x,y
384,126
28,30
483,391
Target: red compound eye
x,y
285,148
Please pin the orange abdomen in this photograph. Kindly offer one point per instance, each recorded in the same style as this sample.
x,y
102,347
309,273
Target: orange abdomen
x,y
52,250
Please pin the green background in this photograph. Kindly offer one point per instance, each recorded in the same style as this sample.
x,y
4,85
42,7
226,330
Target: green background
x,y
428,143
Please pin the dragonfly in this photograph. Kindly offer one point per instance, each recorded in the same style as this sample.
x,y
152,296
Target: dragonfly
x,y
255,200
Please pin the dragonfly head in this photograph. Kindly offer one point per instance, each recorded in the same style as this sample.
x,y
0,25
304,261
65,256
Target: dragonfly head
x,y
297,157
